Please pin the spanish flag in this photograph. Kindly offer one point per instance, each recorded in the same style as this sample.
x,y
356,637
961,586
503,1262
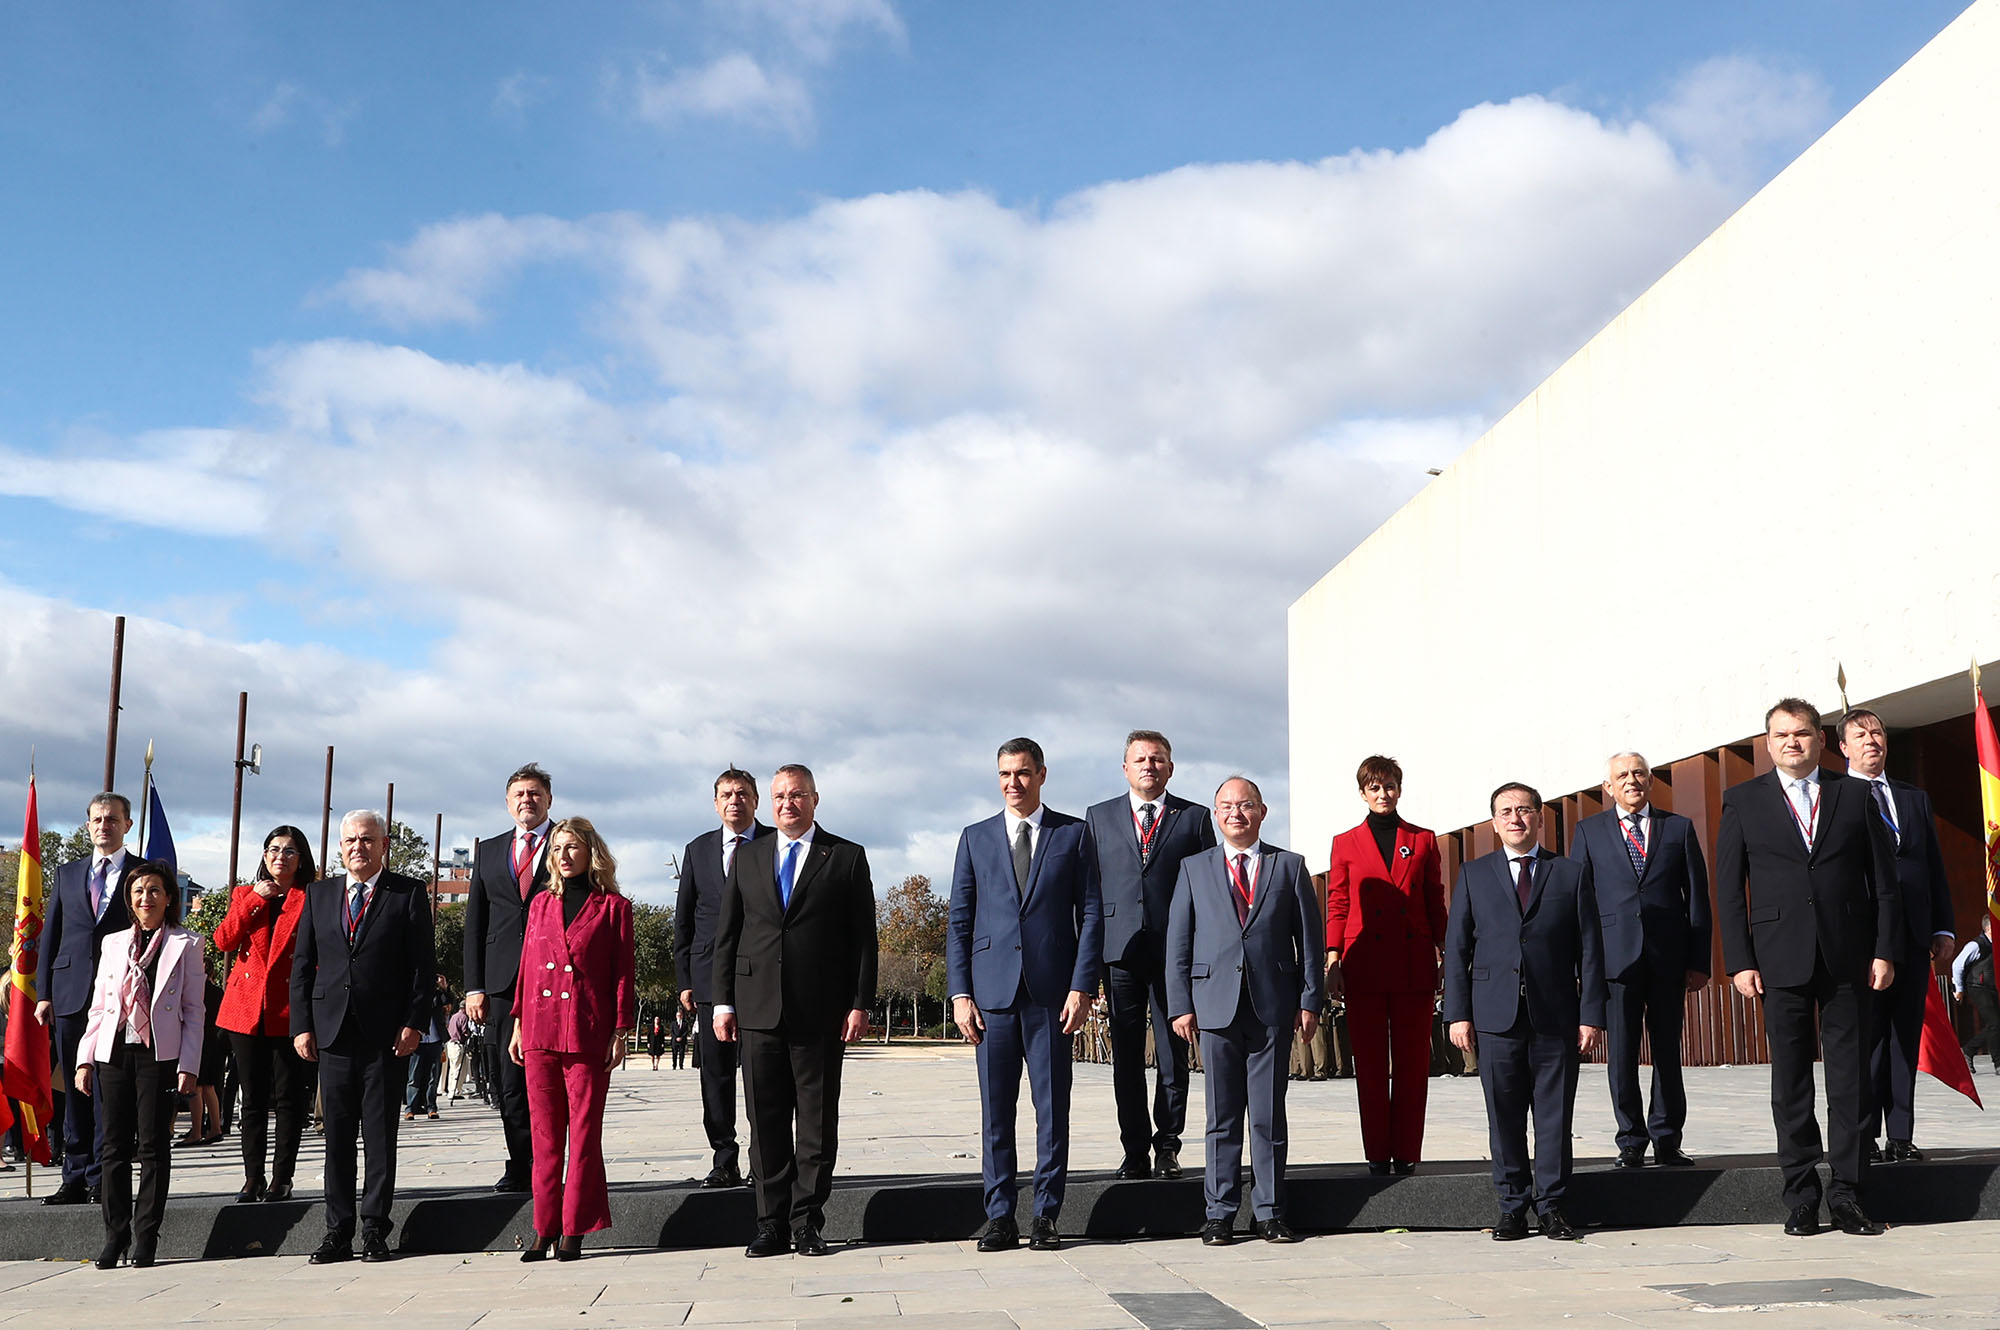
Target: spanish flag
x,y
25,1076
1939,1053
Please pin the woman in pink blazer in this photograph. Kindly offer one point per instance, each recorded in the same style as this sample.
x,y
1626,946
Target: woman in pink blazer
x,y
142,1045
574,1005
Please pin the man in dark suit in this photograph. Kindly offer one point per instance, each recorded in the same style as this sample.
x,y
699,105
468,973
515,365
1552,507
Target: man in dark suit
x,y
1896,1025
1805,879
1524,967
1141,838
1022,953
794,980
87,905
1245,943
1651,881
363,974
507,871
705,866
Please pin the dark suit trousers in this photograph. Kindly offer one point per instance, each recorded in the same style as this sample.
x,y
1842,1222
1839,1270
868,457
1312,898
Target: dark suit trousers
x,y
1136,989
135,1092
80,1135
272,1074
1520,1069
1645,1003
1894,1033
361,1091
1031,1034
1243,1069
510,1087
792,1081
716,1061
1390,1034
1842,1006
1986,1002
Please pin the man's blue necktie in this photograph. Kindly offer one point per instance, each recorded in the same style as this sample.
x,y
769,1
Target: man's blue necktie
x,y
787,873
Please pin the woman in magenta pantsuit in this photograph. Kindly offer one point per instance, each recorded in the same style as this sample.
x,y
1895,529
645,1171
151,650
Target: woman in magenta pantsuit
x,y
575,1004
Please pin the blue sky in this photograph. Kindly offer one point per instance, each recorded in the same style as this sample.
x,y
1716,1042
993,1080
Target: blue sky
x,y
457,341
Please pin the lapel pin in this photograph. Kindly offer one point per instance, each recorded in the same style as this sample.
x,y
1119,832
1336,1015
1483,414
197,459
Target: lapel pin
x,y
1402,851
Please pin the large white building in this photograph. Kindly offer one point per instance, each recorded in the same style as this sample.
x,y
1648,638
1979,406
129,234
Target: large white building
x,y
1783,458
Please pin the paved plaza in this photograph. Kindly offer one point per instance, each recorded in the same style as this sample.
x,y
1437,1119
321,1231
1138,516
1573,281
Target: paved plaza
x,y
914,1110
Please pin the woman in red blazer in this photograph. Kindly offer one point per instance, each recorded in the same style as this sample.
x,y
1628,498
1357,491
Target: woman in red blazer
x,y
1385,910
256,1011
574,1006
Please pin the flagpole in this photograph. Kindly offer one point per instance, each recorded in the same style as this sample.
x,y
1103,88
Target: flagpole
x,y
146,800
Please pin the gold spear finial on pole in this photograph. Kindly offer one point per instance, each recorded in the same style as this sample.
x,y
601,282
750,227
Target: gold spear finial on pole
x,y
1840,678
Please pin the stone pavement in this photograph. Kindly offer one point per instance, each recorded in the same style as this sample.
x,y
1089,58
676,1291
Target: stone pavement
x,y
913,1110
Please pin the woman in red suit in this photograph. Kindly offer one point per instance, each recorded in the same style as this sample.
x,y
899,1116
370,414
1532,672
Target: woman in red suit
x,y
1385,912
575,1005
256,1011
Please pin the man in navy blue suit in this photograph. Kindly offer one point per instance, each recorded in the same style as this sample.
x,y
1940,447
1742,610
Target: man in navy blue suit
x,y
1246,945
1652,900
1022,956
88,905
1141,838
1524,966
1898,1023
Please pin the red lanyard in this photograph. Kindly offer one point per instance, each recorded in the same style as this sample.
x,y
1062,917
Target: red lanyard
x,y
1243,888
1812,812
1145,832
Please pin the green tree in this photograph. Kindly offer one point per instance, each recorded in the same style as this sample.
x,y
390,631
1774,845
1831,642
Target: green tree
x,y
910,926
653,941
410,854
208,911
451,945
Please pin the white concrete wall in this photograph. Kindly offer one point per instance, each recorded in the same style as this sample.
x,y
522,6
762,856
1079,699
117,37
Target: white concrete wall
x,y
1783,455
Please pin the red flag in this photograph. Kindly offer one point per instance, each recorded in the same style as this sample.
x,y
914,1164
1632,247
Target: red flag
x,y
1939,1053
24,1076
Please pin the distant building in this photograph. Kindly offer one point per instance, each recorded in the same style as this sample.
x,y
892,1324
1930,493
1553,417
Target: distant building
x,y
454,880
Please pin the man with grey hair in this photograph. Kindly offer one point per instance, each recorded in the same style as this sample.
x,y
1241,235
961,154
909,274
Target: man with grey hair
x,y
1651,880
362,976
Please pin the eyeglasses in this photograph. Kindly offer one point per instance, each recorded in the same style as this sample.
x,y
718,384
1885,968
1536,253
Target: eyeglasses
x,y
1234,806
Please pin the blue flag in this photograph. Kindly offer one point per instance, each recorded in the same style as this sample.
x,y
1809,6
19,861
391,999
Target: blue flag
x,y
159,836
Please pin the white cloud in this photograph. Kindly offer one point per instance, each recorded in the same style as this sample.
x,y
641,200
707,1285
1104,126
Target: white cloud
x,y
918,472
289,100
731,87
1742,116
518,91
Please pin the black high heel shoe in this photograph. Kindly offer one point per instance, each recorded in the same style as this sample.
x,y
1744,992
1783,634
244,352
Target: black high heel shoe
x,y
537,1248
114,1248
142,1255
570,1249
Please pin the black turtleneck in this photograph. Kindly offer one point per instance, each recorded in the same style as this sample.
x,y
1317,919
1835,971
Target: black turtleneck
x,y
1384,826
575,892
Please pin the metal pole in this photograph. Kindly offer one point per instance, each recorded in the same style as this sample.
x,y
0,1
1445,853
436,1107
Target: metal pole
x,y
145,798
326,809
236,802
389,812
111,723
437,864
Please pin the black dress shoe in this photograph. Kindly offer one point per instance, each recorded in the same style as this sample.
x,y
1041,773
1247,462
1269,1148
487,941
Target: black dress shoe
x,y
1042,1234
1167,1164
375,1249
1803,1221
570,1248
1273,1230
1904,1152
1851,1218
771,1240
1402,1168
278,1191
1872,1153
95,1196
722,1177
1217,1233
807,1241
114,1249
70,1193
333,1249
252,1191
1671,1156
1630,1156
1512,1226
1378,1168
537,1247
999,1235
1132,1170
1556,1226
509,1184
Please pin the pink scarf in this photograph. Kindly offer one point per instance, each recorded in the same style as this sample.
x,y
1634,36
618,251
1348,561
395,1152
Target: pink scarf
x,y
135,995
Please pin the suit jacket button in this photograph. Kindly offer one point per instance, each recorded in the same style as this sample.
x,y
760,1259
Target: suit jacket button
x,y
545,992
568,968
565,997
552,965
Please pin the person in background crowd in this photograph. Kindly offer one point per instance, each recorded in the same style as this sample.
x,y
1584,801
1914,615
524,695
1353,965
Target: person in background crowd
x,y
142,1043
85,906
1651,881
576,1004
457,1030
507,871
1972,976
656,1041
1896,1025
1524,969
1385,922
420,1096
1140,837
204,1106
